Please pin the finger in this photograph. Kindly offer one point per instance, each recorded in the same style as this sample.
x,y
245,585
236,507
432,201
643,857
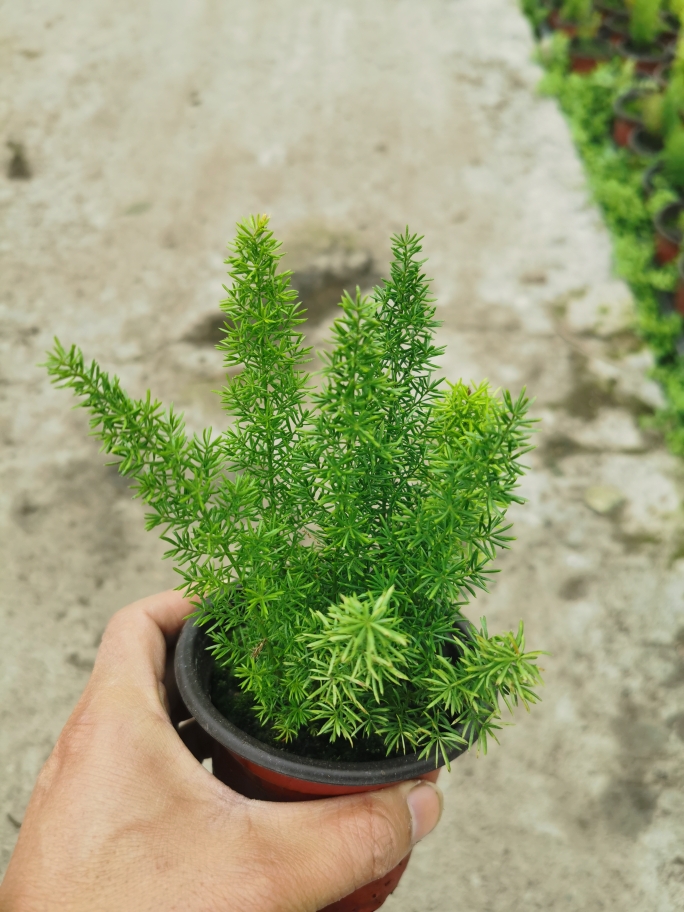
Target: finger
x,y
167,609
133,648
326,849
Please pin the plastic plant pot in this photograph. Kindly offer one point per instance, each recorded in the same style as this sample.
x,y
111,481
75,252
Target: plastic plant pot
x,y
561,25
625,118
663,73
258,770
648,179
647,61
679,291
670,33
643,143
586,56
668,235
610,9
616,27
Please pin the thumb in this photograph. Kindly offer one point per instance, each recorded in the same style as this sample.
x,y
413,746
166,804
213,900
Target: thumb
x,y
325,849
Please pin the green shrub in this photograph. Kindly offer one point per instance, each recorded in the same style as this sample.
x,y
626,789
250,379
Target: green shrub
x,y
673,158
644,22
653,113
615,180
333,537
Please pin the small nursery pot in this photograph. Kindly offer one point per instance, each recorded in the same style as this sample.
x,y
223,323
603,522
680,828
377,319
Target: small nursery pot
x,y
626,121
561,25
585,57
679,291
257,770
668,235
645,61
670,33
643,143
610,9
616,28
648,179
663,73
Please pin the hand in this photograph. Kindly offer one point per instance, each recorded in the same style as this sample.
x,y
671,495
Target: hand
x,y
123,817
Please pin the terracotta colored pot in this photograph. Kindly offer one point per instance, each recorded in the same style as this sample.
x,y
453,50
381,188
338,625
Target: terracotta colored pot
x,y
668,235
257,770
645,62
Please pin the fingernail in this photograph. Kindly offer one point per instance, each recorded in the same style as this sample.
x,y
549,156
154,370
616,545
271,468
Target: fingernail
x,y
425,803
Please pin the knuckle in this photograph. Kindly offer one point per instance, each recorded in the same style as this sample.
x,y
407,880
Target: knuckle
x,y
375,830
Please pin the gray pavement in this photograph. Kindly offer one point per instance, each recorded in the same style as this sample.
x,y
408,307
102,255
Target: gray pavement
x,y
149,129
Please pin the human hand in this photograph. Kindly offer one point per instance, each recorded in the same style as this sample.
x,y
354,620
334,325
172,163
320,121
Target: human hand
x,y
123,817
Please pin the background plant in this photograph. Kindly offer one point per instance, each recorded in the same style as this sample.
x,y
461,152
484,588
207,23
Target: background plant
x,y
333,536
615,178
644,22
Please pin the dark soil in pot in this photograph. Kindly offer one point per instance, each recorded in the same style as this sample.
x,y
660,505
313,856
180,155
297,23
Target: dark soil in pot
x,y
259,769
668,232
238,706
643,143
646,60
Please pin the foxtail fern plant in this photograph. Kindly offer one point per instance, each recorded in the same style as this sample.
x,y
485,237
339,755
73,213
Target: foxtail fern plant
x,y
332,535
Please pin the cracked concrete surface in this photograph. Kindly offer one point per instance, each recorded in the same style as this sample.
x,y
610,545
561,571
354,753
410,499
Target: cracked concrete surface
x,y
147,131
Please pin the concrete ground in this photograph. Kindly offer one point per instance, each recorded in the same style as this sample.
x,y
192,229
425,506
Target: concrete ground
x,y
139,134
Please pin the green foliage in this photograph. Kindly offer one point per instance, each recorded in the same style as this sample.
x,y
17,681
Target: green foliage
x,y
673,102
582,14
615,178
576,10
536,11
331,538
673,158
644,22
653,113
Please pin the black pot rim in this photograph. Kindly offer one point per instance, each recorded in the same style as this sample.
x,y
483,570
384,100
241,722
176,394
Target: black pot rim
x,y
633,53
674,235
631,95
191,667
637,143
597,50
648,175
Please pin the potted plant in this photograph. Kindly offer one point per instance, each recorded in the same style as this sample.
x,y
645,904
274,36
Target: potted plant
x,y
587,50
580,22
646,138
668,222
641,46
679,288
573,15
331,538
631,109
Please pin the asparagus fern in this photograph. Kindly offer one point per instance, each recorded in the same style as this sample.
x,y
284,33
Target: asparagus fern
x,y
332,537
